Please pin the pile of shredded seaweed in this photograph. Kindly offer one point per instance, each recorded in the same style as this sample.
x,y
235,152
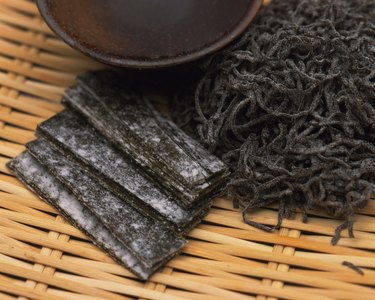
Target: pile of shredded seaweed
x,y
290,107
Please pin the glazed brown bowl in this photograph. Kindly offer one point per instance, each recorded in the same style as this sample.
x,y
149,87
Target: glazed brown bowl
x,y
148,33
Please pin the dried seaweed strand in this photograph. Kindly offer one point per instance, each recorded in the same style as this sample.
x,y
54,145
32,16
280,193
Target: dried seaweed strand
x,y
353,267
290,107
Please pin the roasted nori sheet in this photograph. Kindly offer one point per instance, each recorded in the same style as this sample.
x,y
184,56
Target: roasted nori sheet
x,y
74,137
152,242
131,122
121,172
43,183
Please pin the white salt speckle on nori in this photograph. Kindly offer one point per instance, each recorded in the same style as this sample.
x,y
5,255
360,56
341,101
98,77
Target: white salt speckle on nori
x,y
41,181
152,242
163,150
134,182
68,132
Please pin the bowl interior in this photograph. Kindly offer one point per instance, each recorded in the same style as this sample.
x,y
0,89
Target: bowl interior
x,y
148,33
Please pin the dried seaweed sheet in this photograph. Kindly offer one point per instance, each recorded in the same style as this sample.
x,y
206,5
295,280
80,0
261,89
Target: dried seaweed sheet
x,y
42,182
130,121
75,138
152,242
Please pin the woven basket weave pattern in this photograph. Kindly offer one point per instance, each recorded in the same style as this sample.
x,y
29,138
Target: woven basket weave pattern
x,y
43,257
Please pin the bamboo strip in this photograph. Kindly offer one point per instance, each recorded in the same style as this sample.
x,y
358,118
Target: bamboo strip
x,y
41,240
15,262
48,252
83,243
26,117
71,296
36,91
14,120
38,267
15,189
44,250
3,167
219,256
275,266
367,279
47,87
41,223
266,237
6,297
10,134
124,289
199,233
56,262
18,20
196,286
48,60
26,292
348,242
13,146
195,296
49,76
292,277
32,203
163,287
8,149
17,207
6,223
109,267
58,282
15,35
286,251
359,261
256,289
21,5
336,294
12,180
369,209
13,242
194,265
275,257
47,105
17,255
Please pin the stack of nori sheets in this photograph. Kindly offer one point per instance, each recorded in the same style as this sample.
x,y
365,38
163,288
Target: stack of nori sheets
x,y
119,171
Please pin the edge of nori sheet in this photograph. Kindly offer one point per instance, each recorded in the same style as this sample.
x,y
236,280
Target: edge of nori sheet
x,y
138,269
215,186
89,188
198,212
171,184
187,194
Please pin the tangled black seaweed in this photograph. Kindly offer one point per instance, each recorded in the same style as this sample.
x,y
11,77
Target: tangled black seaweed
x,y
291,108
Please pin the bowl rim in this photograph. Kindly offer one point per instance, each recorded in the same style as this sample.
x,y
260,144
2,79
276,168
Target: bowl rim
x,y
118,61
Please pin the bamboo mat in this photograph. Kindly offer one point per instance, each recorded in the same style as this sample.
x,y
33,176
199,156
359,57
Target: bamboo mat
x,y
43,257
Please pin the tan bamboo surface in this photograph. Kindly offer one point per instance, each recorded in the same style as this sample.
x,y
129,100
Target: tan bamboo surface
x,y
44,257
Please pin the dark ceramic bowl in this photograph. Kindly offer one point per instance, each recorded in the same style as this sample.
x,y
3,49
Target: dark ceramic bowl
x,y
148,33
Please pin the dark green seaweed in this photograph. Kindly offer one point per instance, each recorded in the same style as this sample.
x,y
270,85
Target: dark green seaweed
x,y
74,137
290,107
134,125
42,182
152,242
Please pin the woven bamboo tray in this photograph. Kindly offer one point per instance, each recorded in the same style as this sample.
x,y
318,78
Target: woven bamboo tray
x,y
43,257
